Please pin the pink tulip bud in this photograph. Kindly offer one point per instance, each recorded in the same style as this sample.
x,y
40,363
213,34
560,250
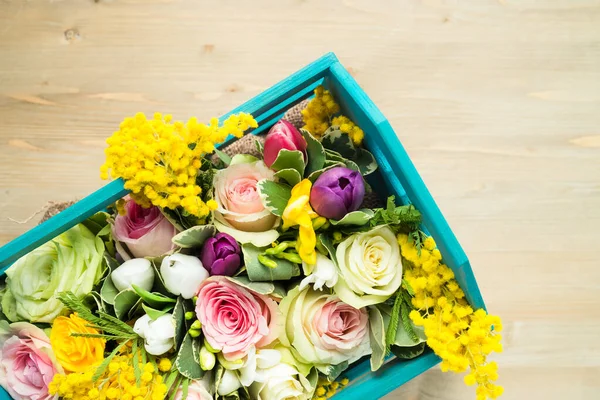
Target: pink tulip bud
x,y
283,135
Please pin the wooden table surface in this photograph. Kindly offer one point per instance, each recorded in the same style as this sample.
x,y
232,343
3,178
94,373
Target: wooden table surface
x,y
497,102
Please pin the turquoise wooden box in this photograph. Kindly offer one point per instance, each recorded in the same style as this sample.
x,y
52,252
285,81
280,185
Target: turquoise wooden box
x,y
397,175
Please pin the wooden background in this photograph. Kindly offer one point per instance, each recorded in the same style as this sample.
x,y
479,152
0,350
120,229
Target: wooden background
x,y
497,102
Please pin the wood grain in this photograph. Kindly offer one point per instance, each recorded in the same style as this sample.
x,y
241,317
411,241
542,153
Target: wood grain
x,y
496,102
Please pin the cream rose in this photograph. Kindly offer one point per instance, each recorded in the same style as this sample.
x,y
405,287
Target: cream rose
x,y
370,267
322,329
240,211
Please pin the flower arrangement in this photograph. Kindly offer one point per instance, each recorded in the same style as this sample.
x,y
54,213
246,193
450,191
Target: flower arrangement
x,y
236,277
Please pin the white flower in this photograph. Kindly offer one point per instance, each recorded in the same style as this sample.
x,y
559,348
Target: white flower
x,y
137,271
324,273
229,383
183,274
159,334
256,364
370,267
282,382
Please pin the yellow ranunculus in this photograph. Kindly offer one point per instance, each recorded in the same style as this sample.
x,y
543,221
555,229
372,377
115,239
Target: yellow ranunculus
x,y
299,212
75,353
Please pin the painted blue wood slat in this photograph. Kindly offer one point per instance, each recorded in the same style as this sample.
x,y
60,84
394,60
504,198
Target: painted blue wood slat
x,y
56,225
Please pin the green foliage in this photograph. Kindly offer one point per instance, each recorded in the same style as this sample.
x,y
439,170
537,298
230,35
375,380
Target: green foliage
x,y
290,175
274,196
289,159
315,151
377,335
282,269
401,218
194,236
186,361
358,218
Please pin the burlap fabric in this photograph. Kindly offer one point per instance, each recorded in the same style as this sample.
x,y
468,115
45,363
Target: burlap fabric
x,y
244,145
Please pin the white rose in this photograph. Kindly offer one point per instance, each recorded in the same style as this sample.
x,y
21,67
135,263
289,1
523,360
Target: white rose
x,y
240,211
183,274
282,382
324,273
256,364
158,334
137,271
370,267
322,329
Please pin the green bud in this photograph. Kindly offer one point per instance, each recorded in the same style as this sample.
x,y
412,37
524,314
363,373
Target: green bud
x,y
266,261
209,347
322,249
195,299
190,315
207,359
196,325
194,332
277,249
337,236
293,257
319,222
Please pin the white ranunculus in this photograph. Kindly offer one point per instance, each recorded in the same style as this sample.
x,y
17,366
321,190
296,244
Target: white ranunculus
x,y
137,271
283,381
229,383
183,274
370,267
158,334
324,273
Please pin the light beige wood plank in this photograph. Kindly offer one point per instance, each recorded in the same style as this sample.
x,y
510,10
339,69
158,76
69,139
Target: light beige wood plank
x,y
496,102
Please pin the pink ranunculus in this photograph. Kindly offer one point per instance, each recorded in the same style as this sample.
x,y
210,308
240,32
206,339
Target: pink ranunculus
x,y
197,389
234,319
239,207
283,135
146,232
27,362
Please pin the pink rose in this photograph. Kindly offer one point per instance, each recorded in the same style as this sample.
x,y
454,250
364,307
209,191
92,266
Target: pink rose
x,y
144,231
27,362
235,319
283,135
323,329
239,207
197,390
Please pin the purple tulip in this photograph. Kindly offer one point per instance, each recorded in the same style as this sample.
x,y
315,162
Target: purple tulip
x,y
337,192
283,135
220,255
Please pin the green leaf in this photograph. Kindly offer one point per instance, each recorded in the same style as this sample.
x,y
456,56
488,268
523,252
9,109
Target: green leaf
x,y
259,146
111,262
104,364
186,362
279,292
359,218
336,157
403,338
332,372
136,310
257,272
97,222
290,175
194,237
154,313
124,301
223,157
136,363
365,161
334,139
408,353
156,300
315,151
181,324
328,244
289,159
265,288
274,196
377,336
108,291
